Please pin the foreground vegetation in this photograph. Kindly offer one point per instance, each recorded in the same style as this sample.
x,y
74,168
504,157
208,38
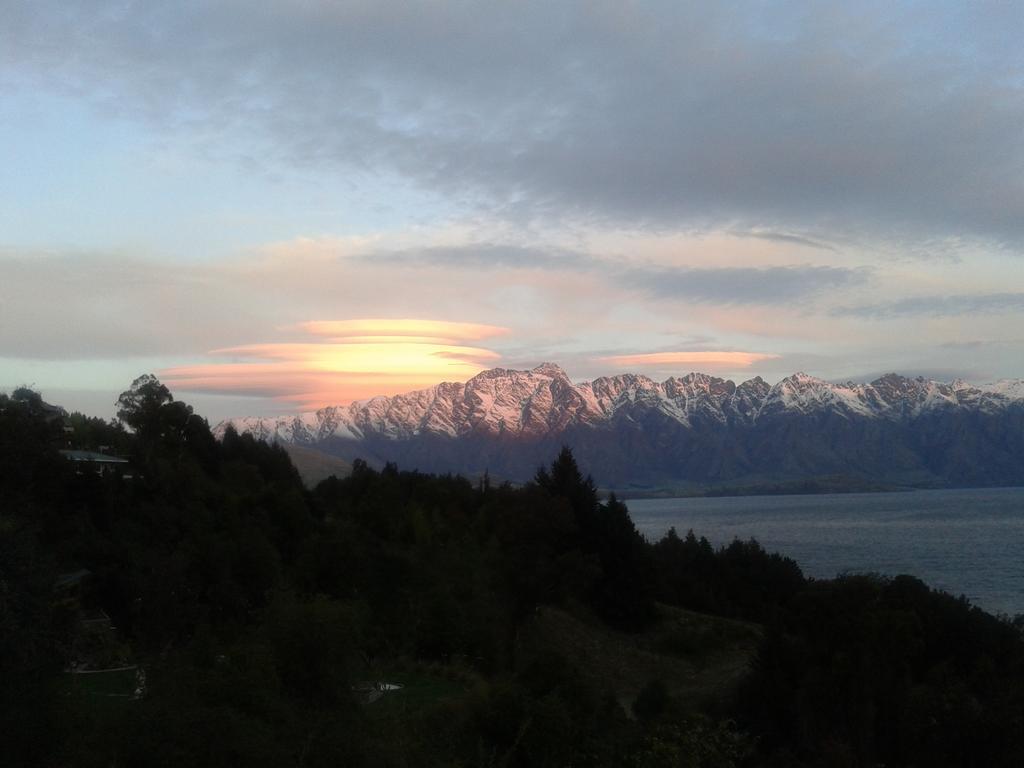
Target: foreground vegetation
x,y
526,626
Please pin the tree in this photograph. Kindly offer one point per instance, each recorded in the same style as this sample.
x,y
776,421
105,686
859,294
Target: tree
x,y
565,480
622,591
160,421
32,399
623,595
29,462
30,660
139,406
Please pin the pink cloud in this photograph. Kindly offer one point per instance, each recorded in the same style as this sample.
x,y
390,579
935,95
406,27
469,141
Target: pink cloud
x,y
708,359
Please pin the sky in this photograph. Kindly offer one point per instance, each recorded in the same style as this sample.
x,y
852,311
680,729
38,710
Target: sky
x,y
279,205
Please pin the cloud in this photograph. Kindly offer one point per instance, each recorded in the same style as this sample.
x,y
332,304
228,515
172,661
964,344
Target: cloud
x,y
890,120
938,306
485,256
706,359
439,331
359,358
121,314
80,306
743,285
722,285
787,238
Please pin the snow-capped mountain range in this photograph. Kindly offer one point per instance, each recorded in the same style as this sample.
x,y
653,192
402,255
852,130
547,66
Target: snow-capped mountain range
x,y
544,400
506,418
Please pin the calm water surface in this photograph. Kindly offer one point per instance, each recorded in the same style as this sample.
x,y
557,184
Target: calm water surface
x,y
968,542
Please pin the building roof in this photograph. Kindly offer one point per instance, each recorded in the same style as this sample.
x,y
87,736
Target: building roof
x,y
99,458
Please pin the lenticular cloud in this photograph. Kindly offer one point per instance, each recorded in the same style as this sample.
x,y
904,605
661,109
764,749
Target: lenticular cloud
x,y
343,360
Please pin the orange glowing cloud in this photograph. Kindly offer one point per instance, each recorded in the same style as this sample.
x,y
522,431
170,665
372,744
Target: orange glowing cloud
x,y
403,328
354,360
706,359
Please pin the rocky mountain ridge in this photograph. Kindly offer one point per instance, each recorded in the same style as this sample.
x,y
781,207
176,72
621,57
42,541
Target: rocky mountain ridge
x,y
503,420
544,400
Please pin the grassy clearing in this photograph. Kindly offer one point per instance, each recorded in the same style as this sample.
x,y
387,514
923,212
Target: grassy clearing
x,y
314,465
420,690
117,683
699,658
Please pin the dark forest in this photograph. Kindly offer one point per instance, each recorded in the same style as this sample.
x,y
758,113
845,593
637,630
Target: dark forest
x,y
394,618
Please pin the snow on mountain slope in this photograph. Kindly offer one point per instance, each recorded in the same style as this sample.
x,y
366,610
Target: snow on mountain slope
x,y
1011,389
544,401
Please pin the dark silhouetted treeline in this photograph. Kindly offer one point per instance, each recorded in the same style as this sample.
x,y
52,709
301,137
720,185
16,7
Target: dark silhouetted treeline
x,y
263,615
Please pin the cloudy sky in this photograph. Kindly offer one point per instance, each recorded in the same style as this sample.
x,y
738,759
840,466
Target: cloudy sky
x,y
281,204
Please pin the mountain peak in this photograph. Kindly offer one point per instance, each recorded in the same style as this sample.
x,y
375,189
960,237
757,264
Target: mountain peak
x,y
801,378
890,378
554,370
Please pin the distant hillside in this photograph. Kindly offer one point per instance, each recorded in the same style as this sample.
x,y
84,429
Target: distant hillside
x,y
314,465
693,431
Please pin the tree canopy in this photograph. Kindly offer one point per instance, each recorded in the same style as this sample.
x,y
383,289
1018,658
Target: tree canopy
x,y
265,613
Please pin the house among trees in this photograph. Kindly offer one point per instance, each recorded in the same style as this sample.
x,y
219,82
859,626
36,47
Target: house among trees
x,y
100,463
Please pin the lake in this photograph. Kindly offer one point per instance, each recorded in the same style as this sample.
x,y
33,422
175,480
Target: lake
x,y
966,541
